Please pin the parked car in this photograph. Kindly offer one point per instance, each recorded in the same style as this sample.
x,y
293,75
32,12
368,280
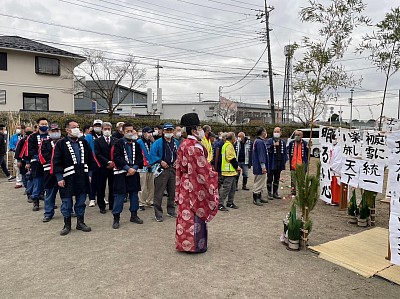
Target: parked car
x,y
315,150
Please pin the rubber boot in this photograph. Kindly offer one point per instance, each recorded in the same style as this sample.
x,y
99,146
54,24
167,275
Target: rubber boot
x,y
275,194
80,224
35,205
116,221
67,226
269,188
244,187
262,200
135,218
256,199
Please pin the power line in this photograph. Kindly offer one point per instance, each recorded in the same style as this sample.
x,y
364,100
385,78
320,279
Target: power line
x,y
248,73
220,9
115,35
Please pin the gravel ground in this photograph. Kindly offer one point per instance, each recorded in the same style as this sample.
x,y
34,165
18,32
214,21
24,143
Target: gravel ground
x,y
245,258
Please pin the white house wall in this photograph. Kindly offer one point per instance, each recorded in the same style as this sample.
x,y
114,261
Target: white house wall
x,y
20,78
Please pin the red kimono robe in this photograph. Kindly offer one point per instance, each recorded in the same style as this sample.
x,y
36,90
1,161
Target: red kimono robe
x,y
196,194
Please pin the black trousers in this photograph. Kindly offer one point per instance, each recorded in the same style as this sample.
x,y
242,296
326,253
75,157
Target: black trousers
x,y
103,175
273,178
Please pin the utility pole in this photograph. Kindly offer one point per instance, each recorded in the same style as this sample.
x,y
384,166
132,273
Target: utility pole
x,y
351,107
199,93
219,93
270,74
158,67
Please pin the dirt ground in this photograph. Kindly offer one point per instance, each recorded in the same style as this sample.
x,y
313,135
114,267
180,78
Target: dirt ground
x,y
245,258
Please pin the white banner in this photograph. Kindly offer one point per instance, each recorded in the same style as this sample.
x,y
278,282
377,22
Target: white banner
x,y
350,172
393,148
391,124
351,143
394,231
374,146
371,176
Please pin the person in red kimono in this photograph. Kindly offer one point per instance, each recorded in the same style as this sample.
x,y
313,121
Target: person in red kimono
x,y
196,192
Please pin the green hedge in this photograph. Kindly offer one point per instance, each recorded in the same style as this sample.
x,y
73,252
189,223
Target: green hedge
x,y
11,119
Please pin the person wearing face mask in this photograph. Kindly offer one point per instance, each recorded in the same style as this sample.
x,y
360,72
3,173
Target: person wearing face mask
x,y
164,152
229,170
32,160
206,142
90,138
298,154
19,133
277,158
157,132
196,190
119,132
335,163
19,157
102,151
243,148
127,157
260,164
146,196
178,134
72,164
50,182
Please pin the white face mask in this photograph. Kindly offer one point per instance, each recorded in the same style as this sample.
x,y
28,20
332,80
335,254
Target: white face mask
x,y
277,135
107,133
135,137
239,139
97,130
129,136
155,133
5,132
201,134
140,134
18,131
168,135
55,135
178,134
75,132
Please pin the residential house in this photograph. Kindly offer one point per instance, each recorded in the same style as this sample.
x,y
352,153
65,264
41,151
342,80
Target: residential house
x,y
35,76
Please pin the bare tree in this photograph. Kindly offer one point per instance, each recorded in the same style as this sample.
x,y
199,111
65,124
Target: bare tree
x,y
302,110
107,74
227,110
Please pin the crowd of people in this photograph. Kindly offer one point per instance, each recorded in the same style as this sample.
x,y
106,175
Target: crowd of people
x,y
196,170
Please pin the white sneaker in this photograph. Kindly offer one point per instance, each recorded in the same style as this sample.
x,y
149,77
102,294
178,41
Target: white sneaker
x,y
92,203
106,201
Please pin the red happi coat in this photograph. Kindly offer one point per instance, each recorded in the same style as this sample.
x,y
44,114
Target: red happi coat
x,y
196,194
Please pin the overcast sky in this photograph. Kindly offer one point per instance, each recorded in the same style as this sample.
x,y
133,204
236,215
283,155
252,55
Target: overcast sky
x,y
201,45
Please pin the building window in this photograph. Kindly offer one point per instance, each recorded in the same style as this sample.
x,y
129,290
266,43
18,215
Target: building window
x,y
48,66
2,97
34,101
3,61
96,94
79,95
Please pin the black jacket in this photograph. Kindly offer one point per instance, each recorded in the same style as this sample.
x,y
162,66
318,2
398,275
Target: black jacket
x,y
102,150
3,141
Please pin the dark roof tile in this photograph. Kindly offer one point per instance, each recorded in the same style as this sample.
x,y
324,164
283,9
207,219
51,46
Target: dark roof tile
x,y
24,44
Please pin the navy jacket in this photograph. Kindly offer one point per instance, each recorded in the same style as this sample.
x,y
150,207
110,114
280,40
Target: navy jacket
x,y
259,156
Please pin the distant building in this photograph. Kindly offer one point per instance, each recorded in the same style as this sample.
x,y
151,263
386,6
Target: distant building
x,y
35,76
85,99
